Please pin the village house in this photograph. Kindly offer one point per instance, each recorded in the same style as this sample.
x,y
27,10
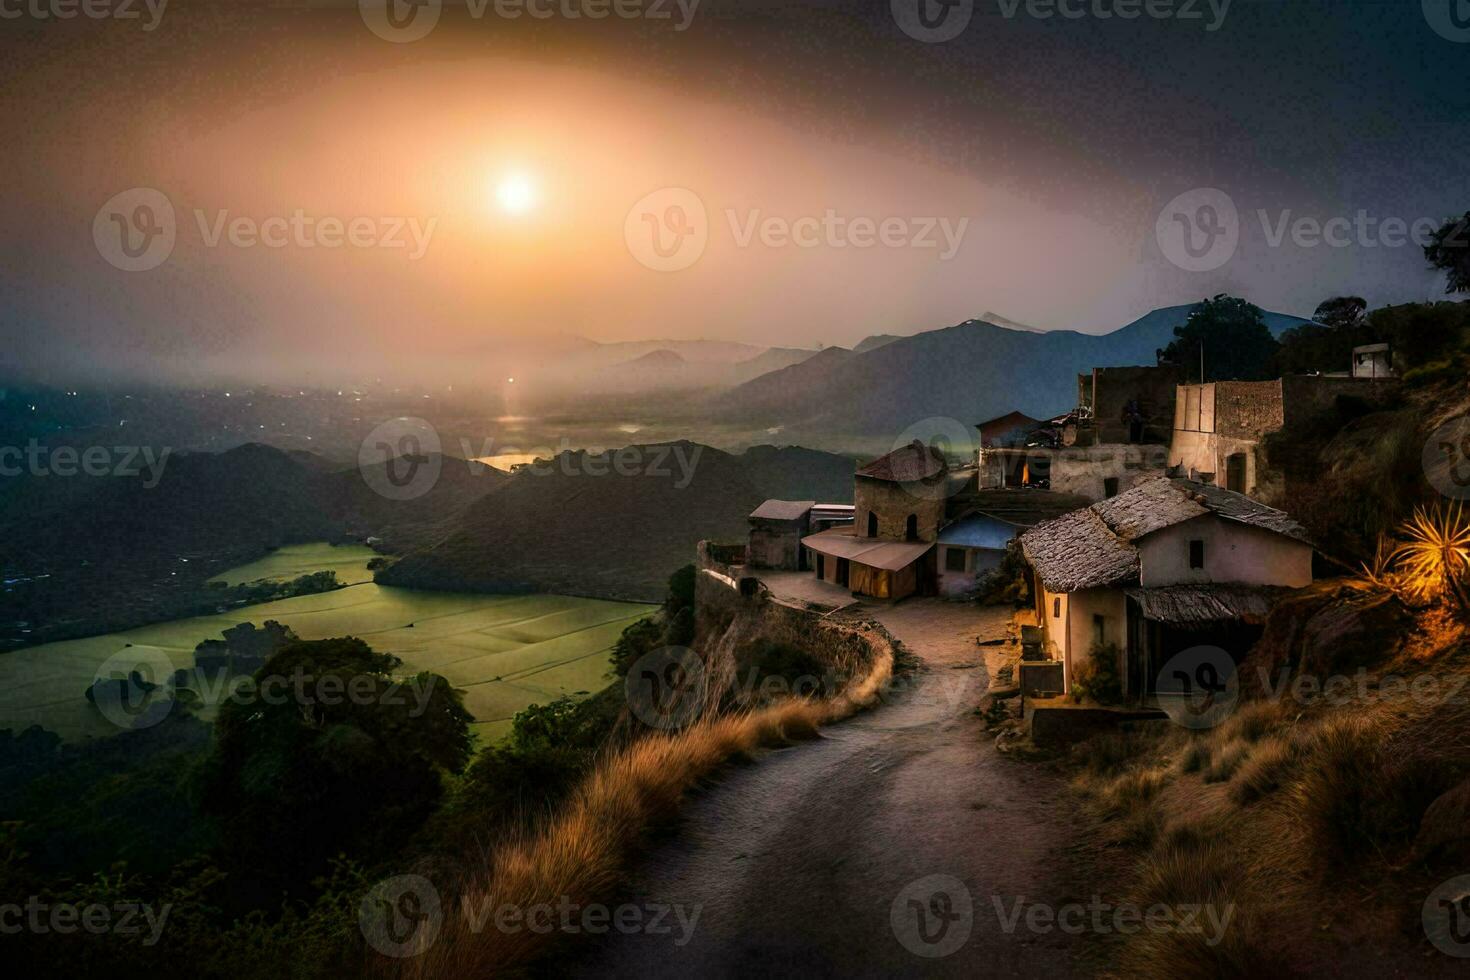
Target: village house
x,y
1168,565
898,510
1116,437
776,530
970,548
1220,427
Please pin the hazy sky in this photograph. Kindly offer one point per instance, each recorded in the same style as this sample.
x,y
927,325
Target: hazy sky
x,y
809,172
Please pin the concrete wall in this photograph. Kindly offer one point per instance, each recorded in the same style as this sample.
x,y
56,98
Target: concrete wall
x,y
1069,634
1234,552
893,503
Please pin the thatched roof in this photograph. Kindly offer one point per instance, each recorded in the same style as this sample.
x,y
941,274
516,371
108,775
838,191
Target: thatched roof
x,y
1201,605
907,464
1079,551
1085,552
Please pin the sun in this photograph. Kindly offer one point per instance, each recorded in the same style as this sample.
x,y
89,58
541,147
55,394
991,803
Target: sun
x,y
516,194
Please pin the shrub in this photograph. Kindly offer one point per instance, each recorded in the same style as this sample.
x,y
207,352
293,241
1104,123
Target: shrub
x,y
1097,678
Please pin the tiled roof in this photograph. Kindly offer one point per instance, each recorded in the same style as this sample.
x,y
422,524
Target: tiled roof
x,y
907,464
1200,605
1078,551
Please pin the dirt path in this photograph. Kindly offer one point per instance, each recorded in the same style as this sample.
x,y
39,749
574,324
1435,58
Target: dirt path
x,y
798,862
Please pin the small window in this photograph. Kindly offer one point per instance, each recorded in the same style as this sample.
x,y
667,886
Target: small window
x,y
1099,629
1196,553
1110,486
911,528
954,559
1056,607
872,524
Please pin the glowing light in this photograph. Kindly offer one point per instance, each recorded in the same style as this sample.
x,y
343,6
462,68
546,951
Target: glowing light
x,y
516,194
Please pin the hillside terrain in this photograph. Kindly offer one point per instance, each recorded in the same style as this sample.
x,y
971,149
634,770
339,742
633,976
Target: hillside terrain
x,y
969,372
580,527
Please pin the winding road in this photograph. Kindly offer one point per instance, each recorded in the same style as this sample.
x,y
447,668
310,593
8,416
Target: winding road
x,y
820,859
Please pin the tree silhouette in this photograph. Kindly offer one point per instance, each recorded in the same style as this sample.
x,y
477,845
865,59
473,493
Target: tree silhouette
x,y
1449,251
1233,337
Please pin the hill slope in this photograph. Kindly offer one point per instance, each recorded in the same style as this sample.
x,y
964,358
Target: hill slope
x,y
969,372
580,527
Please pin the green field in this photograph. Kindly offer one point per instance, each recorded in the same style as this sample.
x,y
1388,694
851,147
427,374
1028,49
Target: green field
x,y
505,652
349,561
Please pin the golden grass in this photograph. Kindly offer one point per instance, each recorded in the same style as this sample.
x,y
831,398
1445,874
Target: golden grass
x,y
583,852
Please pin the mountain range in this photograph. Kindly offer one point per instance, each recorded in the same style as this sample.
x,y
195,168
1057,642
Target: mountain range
x,y
969,372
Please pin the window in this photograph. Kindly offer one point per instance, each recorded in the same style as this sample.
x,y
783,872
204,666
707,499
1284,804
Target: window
x,y
872,524
1099,629
1196,553
1056,607
1110,486
911,528
954,559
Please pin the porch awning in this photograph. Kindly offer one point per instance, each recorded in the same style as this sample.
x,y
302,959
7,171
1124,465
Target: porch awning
x,y
842,542
1198,605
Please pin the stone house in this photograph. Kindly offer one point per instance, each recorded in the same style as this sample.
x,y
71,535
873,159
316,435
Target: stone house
x,y
776,530
1167,566
899,504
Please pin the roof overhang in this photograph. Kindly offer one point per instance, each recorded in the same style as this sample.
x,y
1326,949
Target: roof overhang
x,y
874,552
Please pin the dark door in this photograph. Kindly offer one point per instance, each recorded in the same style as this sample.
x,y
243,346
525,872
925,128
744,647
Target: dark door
x,y
911,528
821,565
842,571
1235,472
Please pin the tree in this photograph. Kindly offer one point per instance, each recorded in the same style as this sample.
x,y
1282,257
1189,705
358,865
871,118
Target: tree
x,y
1327,343
327,753
1233,336
1422,333
1341,312
1449,252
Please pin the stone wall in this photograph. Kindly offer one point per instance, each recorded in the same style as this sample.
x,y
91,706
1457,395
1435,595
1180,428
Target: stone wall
x,y
1247,409
735,615
893,503
1112,388
1086,470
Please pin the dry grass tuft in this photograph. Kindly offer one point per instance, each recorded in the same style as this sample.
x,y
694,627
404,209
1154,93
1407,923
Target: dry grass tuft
x,y
1270,765
1226,759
